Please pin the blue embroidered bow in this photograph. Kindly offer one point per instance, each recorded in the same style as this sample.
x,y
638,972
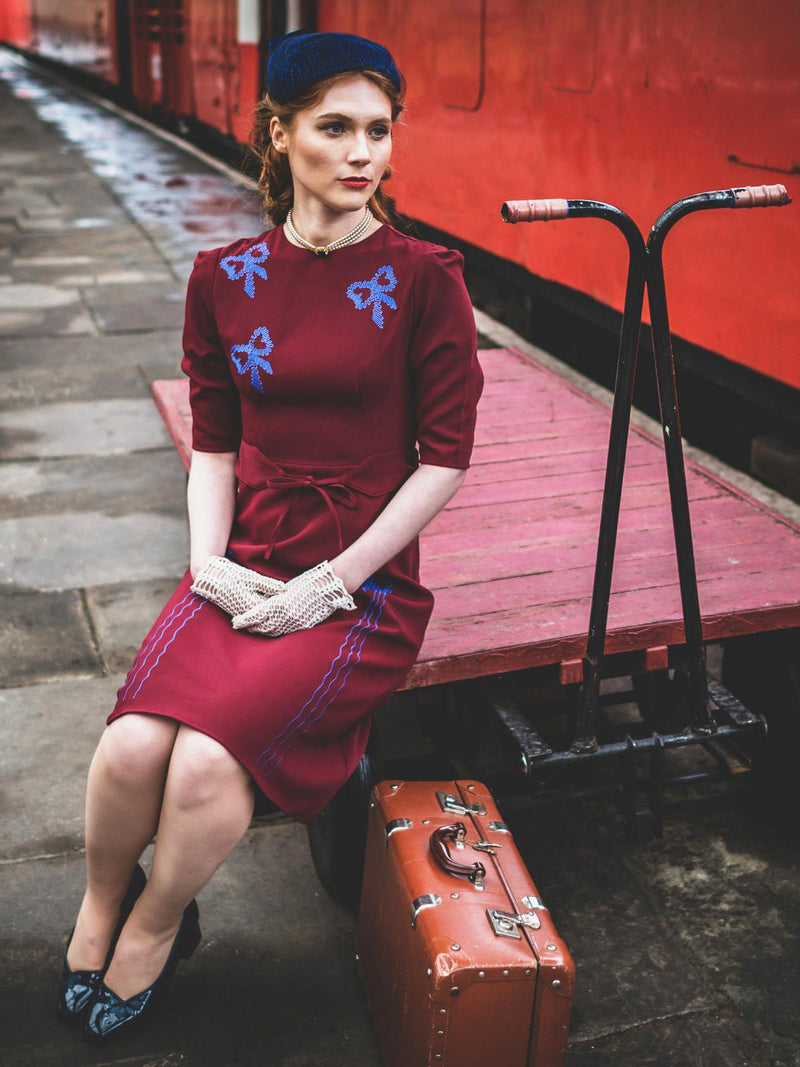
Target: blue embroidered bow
x,y
255,356
375,292
247,266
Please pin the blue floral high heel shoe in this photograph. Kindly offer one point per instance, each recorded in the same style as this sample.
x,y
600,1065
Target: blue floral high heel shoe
x,y
78,987
110,1015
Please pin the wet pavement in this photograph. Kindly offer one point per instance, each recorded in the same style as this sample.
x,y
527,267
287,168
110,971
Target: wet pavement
x,y
686,948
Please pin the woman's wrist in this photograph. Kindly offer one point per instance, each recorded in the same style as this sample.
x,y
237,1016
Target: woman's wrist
x,y
350,576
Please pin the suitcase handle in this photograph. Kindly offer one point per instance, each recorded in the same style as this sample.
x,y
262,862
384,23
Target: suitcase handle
x,y
440,850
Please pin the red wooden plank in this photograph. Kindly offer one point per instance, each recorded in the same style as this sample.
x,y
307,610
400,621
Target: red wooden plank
x,y
172,401
746,543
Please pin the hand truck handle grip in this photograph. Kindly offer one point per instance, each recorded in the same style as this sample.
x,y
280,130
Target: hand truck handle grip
x,y
534,210
475,872
761,196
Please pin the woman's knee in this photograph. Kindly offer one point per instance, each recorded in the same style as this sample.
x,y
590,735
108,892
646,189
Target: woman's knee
x,y
202,770
137,748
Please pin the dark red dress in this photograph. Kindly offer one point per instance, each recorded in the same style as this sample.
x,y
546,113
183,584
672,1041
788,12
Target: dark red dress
x,y
323,374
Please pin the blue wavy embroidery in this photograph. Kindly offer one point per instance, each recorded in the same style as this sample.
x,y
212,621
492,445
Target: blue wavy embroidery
x,y
247,266
375,293
255,353
332,684
159,642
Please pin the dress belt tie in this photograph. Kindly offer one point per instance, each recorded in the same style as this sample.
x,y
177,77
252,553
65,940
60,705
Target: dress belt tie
x,y
376,475
327,489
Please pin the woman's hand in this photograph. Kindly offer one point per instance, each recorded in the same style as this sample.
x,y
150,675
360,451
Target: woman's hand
x,y
305,601
233,588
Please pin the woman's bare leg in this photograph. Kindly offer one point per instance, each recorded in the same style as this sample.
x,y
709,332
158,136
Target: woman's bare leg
x,y
207,806
123,798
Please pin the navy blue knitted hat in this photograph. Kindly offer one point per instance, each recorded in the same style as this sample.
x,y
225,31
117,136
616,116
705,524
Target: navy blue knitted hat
x,y
299,59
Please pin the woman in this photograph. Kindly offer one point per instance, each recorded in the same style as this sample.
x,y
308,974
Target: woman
x,y
319,354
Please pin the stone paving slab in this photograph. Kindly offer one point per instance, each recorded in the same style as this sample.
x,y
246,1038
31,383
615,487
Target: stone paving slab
x,y
116,485
44,636
47,736
82,428
730,887
120,308
686,1041
123,614
86,549
43,310
148,347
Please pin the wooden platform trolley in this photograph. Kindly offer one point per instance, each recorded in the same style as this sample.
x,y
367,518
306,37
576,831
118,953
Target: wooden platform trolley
x,y
507,686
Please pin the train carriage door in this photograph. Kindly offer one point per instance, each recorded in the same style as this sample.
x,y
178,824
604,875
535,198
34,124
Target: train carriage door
x,y
244,63
175,65
146,59
212,34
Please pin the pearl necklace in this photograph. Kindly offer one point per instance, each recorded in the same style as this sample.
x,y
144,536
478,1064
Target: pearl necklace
x,y
340,242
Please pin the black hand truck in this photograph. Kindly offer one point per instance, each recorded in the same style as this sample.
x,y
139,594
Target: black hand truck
x,y
729,717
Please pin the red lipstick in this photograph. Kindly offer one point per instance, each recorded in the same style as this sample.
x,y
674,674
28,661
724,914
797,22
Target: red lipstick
x,y
355,183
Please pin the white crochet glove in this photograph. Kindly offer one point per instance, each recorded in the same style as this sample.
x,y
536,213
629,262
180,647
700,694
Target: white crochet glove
x,y
306,600
234,588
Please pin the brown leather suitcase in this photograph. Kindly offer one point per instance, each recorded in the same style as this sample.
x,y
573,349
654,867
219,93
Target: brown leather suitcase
x,y
459,958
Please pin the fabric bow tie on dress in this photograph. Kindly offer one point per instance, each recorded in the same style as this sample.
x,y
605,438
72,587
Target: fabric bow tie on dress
x,y
257,348
375,293
247,266
328,488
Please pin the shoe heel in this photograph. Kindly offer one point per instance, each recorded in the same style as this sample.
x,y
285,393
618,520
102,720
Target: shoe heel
x,y
190,932
189,942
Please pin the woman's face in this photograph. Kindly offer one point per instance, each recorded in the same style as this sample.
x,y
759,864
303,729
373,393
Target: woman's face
x,y
338,149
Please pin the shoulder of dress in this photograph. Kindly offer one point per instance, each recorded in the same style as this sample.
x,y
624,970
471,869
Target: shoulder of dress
x,y
244,244
426,254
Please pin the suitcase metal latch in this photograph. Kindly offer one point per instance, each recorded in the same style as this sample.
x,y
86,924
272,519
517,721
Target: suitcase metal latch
x,y
487,846
449,802
507,924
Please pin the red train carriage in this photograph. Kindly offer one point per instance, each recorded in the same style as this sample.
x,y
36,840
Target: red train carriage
x,y
632,101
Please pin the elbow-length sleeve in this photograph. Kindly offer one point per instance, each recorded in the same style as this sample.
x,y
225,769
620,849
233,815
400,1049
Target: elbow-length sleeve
x,y
214,398
447,378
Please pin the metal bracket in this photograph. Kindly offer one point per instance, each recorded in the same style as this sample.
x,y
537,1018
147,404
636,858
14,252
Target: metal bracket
x,y
427,900
394,825
450,803
507,924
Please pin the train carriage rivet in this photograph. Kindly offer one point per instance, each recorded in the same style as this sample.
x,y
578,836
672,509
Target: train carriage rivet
x,y
430,972
395,787
556,983
440,1033
443,1011
455,896
425,822
506,974
454,991
472,787
438,1056
528,973
481,974
552,948
455,948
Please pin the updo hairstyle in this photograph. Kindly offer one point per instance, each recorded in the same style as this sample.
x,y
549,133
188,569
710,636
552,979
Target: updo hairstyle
x,y
275,179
